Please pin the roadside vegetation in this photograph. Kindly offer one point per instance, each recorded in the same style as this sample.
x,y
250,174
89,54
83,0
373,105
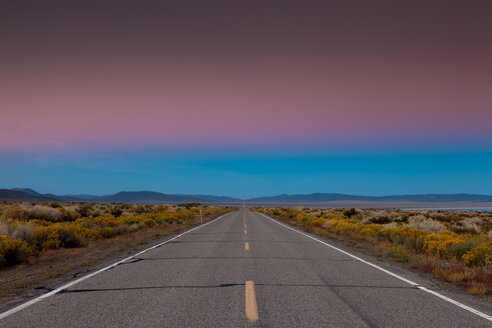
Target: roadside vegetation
x,y
28,229
456,246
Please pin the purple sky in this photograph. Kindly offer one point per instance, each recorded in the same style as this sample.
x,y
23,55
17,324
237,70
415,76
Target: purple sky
x,y
320,77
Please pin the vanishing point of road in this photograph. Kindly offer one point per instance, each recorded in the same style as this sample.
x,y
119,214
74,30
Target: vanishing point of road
x,y
245,270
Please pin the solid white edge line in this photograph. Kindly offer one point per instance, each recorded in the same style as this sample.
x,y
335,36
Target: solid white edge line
x,y
70,284
450,300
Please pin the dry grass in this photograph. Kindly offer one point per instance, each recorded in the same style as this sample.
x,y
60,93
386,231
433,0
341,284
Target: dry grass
x,y
398,253
454,274
477,289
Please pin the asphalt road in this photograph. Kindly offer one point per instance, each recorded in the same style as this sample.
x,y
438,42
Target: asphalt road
x,y
245,270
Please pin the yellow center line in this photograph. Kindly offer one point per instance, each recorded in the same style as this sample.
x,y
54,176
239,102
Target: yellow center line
x,y
250,304
246,246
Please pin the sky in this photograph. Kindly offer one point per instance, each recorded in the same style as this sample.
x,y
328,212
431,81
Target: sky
x,y
246,98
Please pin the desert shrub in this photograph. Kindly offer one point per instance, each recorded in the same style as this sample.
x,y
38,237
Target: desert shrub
x,y
420,222
143,220
139,209
398,253
50,227
391,225
440,217
97,212
134,227
335,216
116,211
379,218
40,212
458,247
5,229
318,222
470,225
84,210
421,235
68,238
350,212
45,238
16,213
127,213
69,215
328,223
13,251
480,255
58,235
22,231
408,237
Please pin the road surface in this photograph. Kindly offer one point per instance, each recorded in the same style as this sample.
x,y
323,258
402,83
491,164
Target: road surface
x,y
245,270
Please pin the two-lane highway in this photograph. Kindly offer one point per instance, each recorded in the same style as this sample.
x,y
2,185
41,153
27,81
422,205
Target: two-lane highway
x,y
244,270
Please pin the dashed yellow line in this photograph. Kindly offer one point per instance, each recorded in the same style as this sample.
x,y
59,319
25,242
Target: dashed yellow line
x,y
246,246
251,309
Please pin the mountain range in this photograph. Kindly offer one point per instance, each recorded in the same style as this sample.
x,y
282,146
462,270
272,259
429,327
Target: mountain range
x,y
152,197
331,197
140,197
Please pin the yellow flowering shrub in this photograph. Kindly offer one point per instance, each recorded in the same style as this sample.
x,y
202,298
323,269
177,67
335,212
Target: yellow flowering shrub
x,y
480,255
13,251
471,249
26,233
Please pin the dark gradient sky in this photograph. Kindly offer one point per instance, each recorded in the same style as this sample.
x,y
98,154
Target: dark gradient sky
x,y
321,77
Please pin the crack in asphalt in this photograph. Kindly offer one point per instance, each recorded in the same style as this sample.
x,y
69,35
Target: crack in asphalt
x,y
231,285
239,258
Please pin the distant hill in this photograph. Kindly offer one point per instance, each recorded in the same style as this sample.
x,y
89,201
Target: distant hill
x,y
145,197
27,191
152,197
82,196
141,197
302,198
19,194
214,199
431,198
331,197
69,198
